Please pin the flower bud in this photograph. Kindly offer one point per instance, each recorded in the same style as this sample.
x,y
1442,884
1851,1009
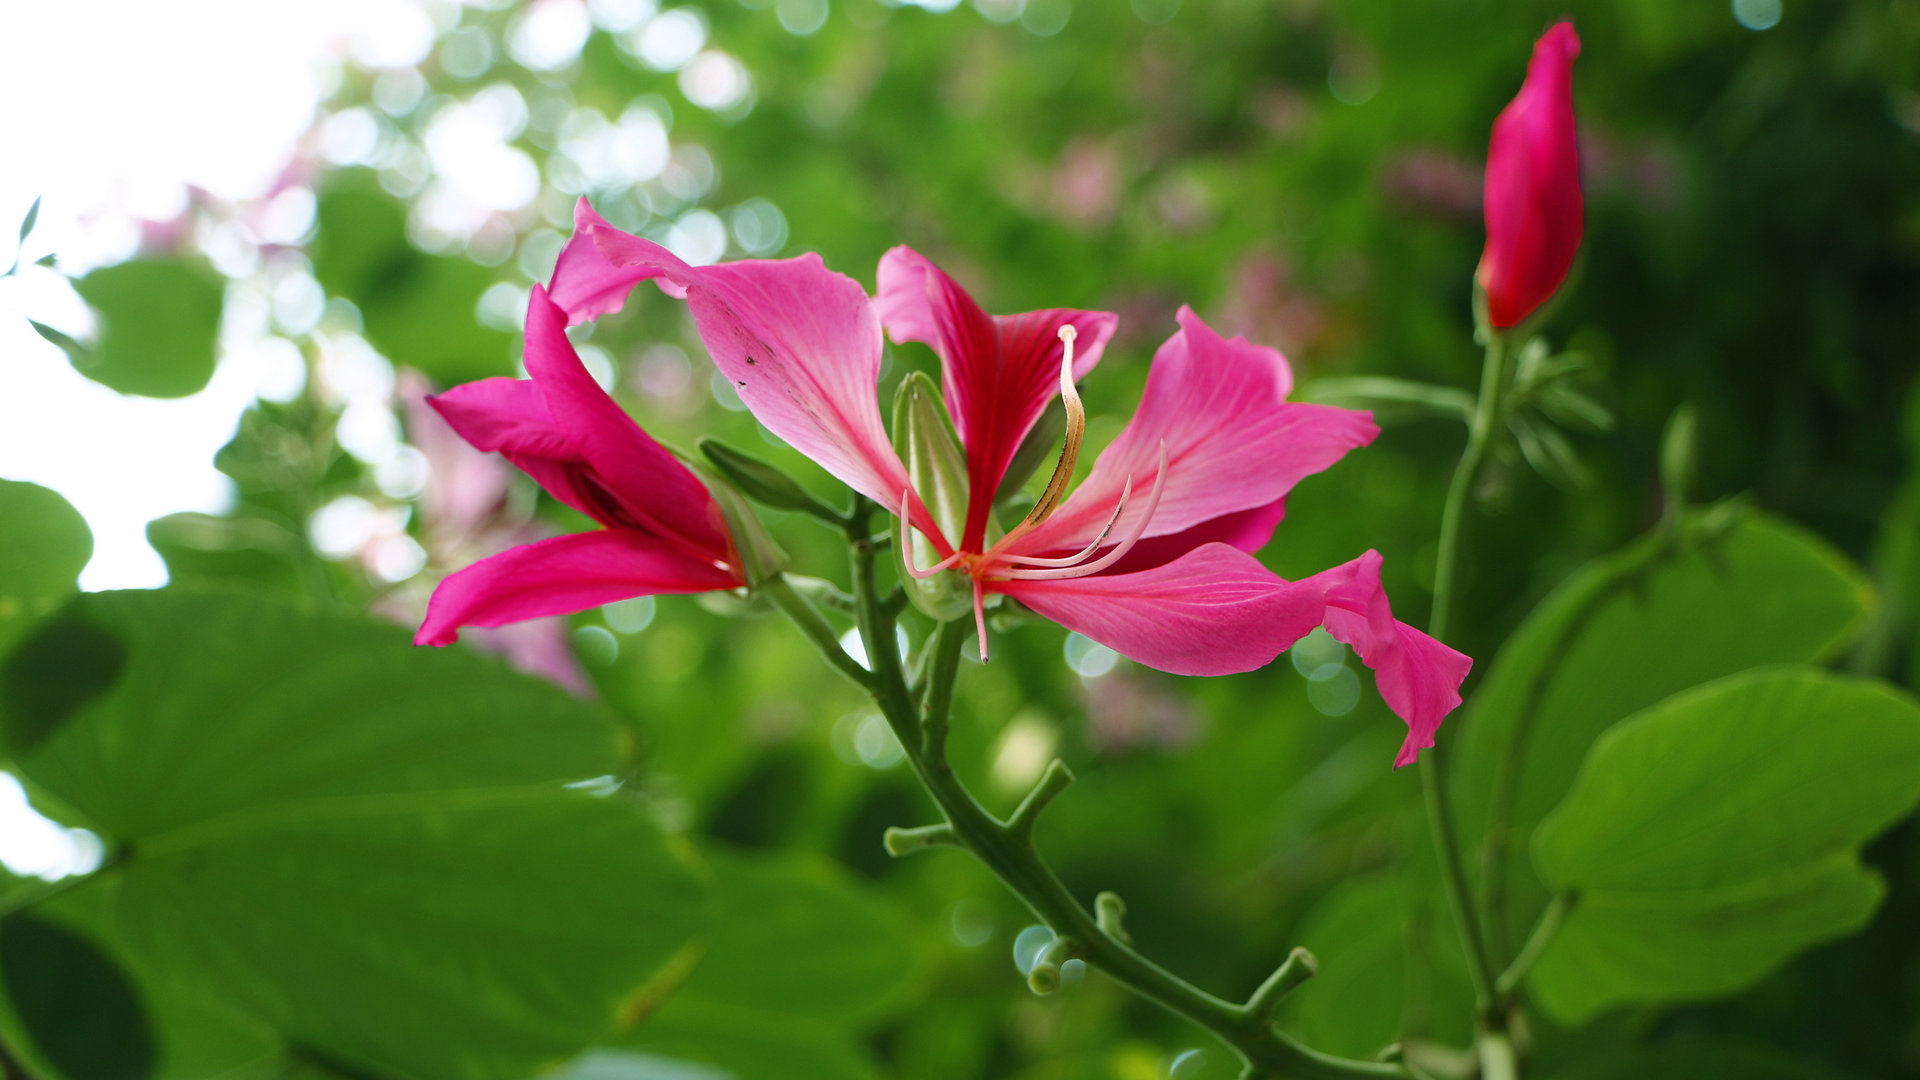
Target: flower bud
x,y
923,433
1533,204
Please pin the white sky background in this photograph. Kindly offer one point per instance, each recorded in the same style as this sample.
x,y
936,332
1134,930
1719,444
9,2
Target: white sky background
x,y
109,109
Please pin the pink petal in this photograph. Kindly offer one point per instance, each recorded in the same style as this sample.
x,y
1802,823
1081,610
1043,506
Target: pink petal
x,y
1000,371
560,575
1233,441
1419,678
802,346
632,481
1213,611
585,284
1248,530
1533,205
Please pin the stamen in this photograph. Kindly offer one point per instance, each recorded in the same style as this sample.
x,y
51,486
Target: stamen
x,y
906,552
1068,560
1120,550
980,616
1056,491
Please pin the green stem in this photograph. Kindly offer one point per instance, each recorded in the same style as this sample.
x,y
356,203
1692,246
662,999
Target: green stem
x,y
1487,420
815,628
1537,942
1006,847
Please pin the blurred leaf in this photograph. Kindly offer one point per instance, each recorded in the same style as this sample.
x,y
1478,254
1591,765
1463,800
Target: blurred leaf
x,y
69,1005
1391,400
1626,631
206,549
1695,1060
746,1044
364,844
33,215
1717,833
47,544
798,937
1378,980
418,309
159,320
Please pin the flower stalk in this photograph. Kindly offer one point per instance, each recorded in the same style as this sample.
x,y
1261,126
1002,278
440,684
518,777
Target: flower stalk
x,y
1005,846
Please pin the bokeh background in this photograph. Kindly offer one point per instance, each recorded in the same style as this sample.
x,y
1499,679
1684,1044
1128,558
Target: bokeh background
x,y
307,215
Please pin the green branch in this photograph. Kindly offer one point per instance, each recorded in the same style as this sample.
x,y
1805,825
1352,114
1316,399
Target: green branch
x,y
1006,847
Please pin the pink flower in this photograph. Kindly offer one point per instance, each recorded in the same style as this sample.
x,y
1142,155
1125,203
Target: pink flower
x,y
1533,202
1150,555
661,530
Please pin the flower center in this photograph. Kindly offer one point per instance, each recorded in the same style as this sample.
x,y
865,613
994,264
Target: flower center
x,y
997,563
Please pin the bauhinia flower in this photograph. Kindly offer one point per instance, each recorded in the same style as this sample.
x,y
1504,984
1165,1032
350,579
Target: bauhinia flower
x,y
1533,204
1150,556
661,530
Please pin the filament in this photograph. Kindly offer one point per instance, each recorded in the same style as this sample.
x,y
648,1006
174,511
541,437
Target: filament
x,y
1120,550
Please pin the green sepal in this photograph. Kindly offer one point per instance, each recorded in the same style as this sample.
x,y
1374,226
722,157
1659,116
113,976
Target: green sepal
x,y
760,557
923,434
756,479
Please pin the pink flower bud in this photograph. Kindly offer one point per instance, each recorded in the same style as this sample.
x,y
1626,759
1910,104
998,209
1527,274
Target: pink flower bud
x,y
1533,202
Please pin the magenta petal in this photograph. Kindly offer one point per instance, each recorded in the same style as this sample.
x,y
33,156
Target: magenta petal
x,y
1419,678
634,481
1534,210
505,415
1213,611
1248,530
801,345
1233,441
561,575
1000,371
586,285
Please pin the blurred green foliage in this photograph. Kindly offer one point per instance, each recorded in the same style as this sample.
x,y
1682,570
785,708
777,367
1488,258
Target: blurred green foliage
x,y
1305,173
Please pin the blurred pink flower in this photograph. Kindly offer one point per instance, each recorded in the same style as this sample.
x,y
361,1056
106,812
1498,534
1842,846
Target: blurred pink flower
x,y
1533,204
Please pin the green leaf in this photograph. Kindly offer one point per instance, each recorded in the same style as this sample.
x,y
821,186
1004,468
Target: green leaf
x,y
1694,1061
47,544
1391,400
1661,615
1388,969
745,1044
69,1005
1716,834
367,846
418,309
159,320
798,937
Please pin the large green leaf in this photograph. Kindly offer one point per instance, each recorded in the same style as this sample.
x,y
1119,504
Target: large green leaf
x,y
798,937
1696,1060
1387,969
1661,615
68,1005
369,847
47,544
159,321
1716,834
417,308
745,1044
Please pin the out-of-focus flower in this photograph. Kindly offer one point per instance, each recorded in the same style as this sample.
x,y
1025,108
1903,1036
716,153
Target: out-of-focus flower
x,y
661,530
1150,556
1533,203
465,514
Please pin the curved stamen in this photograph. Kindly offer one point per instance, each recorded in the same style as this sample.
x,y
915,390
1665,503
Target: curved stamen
x,y
1120,550
1056,491
1068,560
906,553
980,616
